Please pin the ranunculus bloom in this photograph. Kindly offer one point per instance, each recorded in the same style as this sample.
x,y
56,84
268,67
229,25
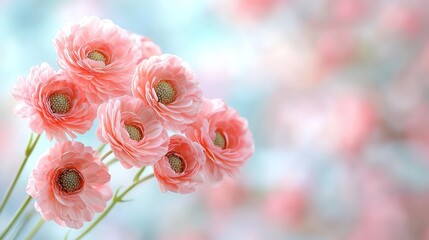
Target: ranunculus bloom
x,y
131,129
225,137
167,84
146,47
180,170
53,103
100,56
70,184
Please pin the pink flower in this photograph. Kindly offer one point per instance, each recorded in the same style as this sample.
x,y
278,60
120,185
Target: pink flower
x,y
133,132
69,184
53,103
180,170
225,137
167,85
98,55
146,47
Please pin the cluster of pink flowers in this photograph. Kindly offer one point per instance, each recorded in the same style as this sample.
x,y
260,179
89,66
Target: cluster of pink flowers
x,y
140,97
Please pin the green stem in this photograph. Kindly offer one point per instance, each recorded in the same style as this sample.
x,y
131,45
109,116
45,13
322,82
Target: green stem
x,y
101,147
12,222
26,219
36,228
106,155
116,199
111,161
30,147
139,173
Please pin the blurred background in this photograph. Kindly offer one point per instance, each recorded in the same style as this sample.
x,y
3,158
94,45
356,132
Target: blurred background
x,y
337,97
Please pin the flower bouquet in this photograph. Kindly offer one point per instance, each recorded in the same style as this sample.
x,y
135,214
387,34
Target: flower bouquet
x,y
150,111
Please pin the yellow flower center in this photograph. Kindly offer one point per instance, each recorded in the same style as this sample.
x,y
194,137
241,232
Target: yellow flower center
x,y
134,133
176,163
59,103
219,140
70,180
97,56
165,92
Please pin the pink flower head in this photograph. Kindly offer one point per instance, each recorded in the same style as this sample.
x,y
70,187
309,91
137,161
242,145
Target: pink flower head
x,y
167,84
146,47
53,103
70,184
180,170
99,56
225,137
133,132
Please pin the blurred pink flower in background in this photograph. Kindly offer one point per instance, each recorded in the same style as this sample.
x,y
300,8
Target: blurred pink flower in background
x,y
180,170
184,236
70,184
416,129
225,197
225,137
424,58
254,8
381,213
54,104
98,55
131,129
249,10
402,19
169,86
287,205
354,119
349,11
334,48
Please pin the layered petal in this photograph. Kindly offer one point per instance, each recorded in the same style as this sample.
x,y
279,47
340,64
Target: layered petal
x,y
70,184
146,47
134,134
99,56
169,87
180,170
225,137
53,103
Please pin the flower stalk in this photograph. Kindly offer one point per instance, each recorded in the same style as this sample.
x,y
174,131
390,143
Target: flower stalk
x,y
117,198
36,228
15,218
101,147
106,155
28,151
111,161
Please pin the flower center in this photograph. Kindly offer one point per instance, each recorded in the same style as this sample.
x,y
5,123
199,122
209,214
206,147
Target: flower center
x,y
219,140
97,56
70,180
134,133
59,103
176,163
165,92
